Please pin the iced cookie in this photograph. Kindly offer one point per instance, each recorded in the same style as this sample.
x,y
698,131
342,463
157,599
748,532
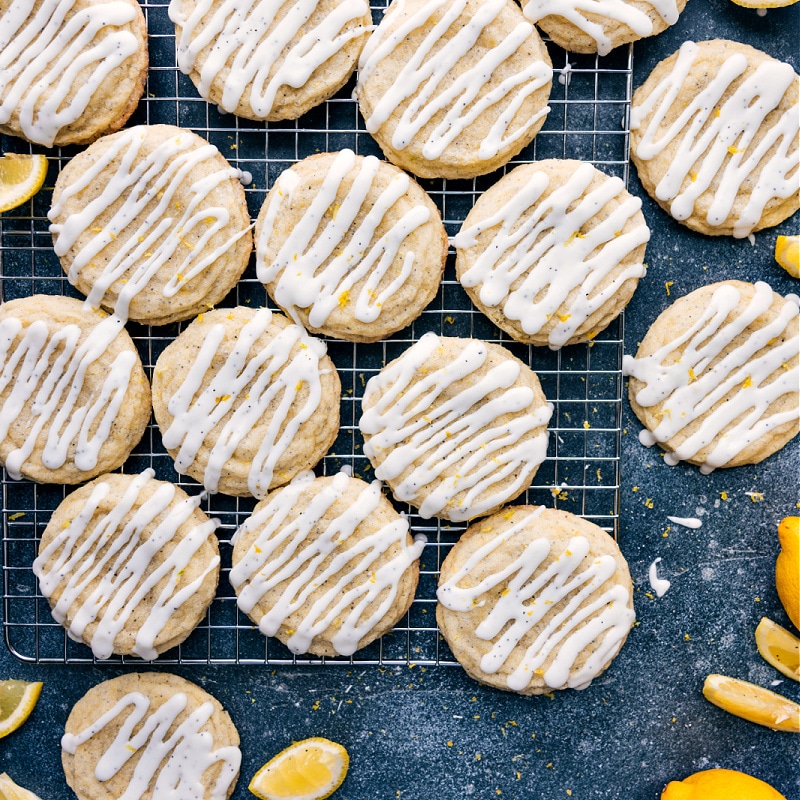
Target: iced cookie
x,y
151,223
453,88
552,252
325,564
350,247
74,399
714,136
72,70
533,599
245,400
456,427
716,380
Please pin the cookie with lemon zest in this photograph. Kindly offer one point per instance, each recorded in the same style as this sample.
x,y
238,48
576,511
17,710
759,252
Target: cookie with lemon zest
x,y
21,176
753,703
779,648
17,699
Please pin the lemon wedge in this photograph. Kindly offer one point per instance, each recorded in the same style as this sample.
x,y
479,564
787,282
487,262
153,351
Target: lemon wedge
x,y
753,703
787,254
17,699
312,769
10,791
787,567
779,648
764,3
21,176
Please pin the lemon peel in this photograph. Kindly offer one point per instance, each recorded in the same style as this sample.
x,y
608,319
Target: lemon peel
x,y
787,254
779,648
11,791
753,703
764,3
787,567
17,699
720,784
21,176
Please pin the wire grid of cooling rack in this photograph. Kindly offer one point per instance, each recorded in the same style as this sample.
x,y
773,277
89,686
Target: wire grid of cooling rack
x,y
588,121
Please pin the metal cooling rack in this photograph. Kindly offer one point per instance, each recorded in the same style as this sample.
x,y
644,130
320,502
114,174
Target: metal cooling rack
x,y
588,120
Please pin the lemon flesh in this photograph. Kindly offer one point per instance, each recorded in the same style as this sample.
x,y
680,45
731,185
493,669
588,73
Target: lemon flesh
x,y
720,784
17,699
753,703
312,769
21,176
10,791
787,254
787,567
779,648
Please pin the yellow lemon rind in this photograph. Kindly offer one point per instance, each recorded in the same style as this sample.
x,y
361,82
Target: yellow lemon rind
x,y
787,254
23,708
720,784
779,648
21,177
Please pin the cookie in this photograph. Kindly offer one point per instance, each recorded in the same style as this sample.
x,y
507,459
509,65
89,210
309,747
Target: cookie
x,y
714,136
453,88
270,60
350,247
456,427
129,565
715,380
150,735
598,26
74,399
72,70
151,223
326,565
245,400
533,599
552,252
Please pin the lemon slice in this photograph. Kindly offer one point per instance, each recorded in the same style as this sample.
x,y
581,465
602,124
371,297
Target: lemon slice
x,y
309,770
779,648
753,703
764,3
10,791
787,567
787,254
17,699
21,176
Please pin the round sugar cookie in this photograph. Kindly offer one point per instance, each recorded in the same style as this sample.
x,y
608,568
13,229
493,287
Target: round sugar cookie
x,y
715,138
129,565
72,70
151,223
533,599
350,247
326,565
453,88
278,60
456,427
552,252
598,26
716,379
245,400
150,735
77,400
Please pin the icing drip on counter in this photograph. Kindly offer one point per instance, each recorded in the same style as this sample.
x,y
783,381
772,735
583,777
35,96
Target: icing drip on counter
x,y
244,388
715,138
245,34
116,556
550,246
566,595
431,67
174,763
488,439
48,373
687,522
314,267
160,238
691,385
282,553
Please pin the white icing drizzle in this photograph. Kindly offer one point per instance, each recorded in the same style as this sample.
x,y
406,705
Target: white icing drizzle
x,y
544,244
570,597
146,246
431,68
174,763
48,372
43,54
115,554
658,585
269,376
467,430
687,522
575,12
281,553
305,280
715,139
689,389
244,32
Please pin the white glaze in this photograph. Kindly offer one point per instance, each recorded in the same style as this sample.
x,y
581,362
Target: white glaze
x,y
427,73
715,138
467,430
244,32
147,243
538,239
118,556
173,762
568,591
658,585
281,553
688,388
304,279
687,522
43,54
